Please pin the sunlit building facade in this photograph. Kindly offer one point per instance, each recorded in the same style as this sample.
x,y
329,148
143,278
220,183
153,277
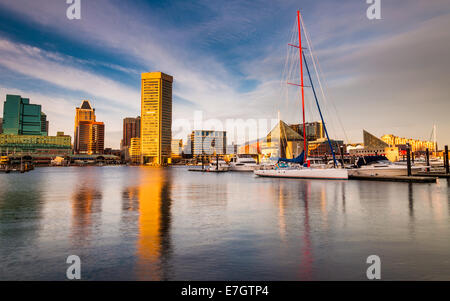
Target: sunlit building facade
x,y
156,118
177,147
135,150
416,145
89,137
131,129
282,141
314,130
34,144
208,142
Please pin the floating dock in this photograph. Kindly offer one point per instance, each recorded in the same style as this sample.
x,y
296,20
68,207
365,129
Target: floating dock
x,y
434,174
196,169
206,170
411,179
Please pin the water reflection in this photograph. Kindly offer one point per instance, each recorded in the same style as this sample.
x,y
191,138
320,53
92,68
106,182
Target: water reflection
x,y
306,261
86,208
343,197
127,223
20,204
411,200
154,245
281,215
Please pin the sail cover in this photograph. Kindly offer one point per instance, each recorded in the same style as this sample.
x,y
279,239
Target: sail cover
x,y
299,160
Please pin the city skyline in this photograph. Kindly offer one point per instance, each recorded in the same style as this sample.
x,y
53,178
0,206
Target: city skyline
x,y
224,60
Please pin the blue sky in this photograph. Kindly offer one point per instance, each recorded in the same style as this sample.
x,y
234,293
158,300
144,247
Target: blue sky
x,y
227,57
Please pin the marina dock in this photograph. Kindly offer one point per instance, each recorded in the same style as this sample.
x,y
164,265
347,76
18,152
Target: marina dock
x,y
408,179
434,174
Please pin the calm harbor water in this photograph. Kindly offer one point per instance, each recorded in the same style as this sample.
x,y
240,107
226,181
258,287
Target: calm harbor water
x,y
138,223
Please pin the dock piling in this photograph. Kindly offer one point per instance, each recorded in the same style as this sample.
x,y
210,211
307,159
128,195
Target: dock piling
x,y
408,158
447,171
428,159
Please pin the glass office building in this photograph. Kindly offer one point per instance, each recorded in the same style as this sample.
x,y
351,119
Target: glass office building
x,y
22,118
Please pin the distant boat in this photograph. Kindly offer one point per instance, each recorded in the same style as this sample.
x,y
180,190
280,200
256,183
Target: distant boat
x,y
243,162
295,168
218,165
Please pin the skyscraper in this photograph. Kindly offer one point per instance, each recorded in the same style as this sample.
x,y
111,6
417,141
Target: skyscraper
x,y
21,118
89,137
44,123
156,117
1,125
131,129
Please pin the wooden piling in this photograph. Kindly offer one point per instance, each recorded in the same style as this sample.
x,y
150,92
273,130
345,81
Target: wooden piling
x,y
408,158
447,171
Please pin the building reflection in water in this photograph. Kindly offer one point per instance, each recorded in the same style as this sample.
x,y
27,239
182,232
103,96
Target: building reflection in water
x,y
281,215
343,197
153,244
86,202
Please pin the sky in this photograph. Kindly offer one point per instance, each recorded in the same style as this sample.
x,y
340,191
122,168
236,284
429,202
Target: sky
x,y
388,76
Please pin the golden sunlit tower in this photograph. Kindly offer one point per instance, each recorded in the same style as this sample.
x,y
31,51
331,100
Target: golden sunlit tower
x,y
89,136
156,118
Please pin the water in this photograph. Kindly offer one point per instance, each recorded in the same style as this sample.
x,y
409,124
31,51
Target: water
x,y
137,223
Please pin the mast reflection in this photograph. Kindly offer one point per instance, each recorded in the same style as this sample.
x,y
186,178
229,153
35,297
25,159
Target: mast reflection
x,y
307,257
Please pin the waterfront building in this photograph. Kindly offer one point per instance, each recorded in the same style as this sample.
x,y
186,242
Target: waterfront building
x,y
22,118
314,130
131,129
135,150
281,141
416,145
321,147
44,123
34,144
208,142
232,149
156,118
177,147
375,146
89,137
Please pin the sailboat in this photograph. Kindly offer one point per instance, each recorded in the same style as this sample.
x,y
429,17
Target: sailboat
x,y
297,167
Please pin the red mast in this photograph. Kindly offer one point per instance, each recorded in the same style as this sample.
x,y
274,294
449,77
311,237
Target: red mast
x,y
301,80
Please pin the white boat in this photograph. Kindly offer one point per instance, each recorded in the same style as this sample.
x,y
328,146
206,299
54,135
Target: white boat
x,y
305,173
221,166
243,162
372,166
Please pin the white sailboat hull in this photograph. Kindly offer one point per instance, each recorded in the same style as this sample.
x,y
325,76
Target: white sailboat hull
x,y
306,173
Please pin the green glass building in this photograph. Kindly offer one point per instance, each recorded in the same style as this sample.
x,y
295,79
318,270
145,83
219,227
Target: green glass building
x,y
22,118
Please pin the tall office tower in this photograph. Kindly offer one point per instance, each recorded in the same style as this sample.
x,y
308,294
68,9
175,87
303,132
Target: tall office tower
x,y
20,117
131,129
156,118
44,123
89,137
1,125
